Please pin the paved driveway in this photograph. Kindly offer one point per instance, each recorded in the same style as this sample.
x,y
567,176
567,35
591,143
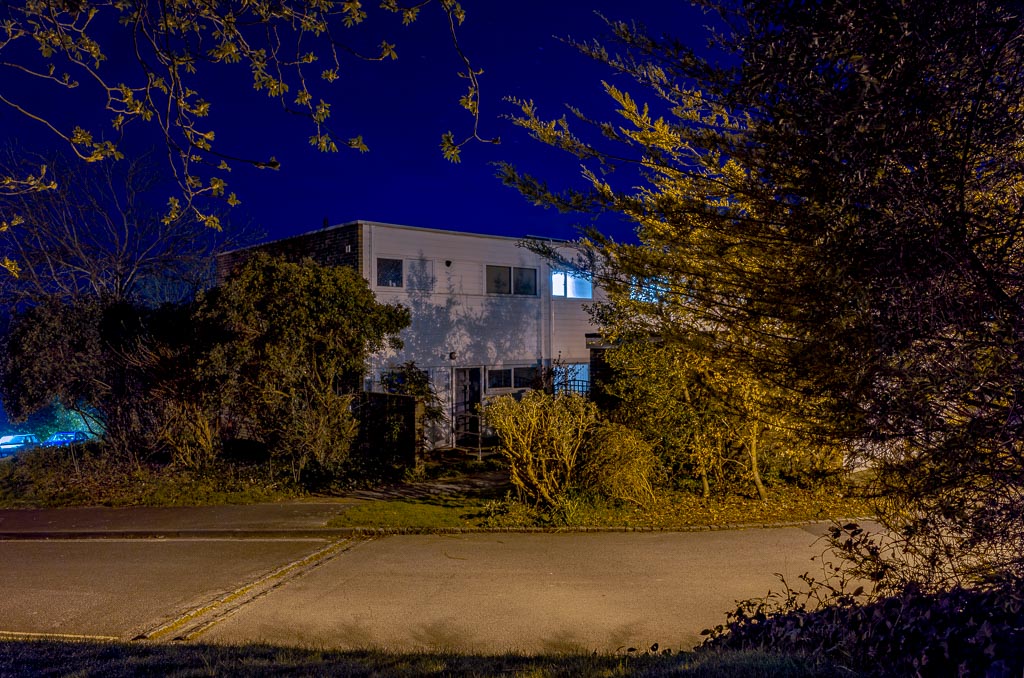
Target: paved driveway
x,y
487,592
524,592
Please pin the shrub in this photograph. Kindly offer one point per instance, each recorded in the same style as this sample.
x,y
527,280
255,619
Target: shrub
x,y
542,438
288,345
190,435
320,435
619,464
975,632
92,475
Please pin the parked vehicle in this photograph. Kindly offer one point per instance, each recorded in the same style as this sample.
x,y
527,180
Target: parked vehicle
x,y
13,444
62,438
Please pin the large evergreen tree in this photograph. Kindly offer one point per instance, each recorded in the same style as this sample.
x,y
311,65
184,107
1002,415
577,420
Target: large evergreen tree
x,y
288,345
832,207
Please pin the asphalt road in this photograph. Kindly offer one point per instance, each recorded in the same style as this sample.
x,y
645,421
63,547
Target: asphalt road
x,y
472,592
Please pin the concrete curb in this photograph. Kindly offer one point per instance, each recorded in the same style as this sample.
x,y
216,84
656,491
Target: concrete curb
x,y
330,533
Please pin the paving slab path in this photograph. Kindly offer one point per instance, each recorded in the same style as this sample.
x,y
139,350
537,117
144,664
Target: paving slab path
x,y
486,592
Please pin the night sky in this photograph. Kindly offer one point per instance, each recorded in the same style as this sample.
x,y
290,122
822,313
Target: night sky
x,y
402,107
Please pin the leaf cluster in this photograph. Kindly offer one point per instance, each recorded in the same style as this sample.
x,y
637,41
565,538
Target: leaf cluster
x,y
705,421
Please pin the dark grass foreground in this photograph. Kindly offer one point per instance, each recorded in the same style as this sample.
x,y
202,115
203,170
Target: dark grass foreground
x,y
116,660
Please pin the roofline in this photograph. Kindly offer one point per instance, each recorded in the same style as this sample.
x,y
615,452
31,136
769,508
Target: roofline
x,y
419,229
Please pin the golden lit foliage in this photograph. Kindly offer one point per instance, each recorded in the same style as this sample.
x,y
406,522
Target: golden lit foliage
x,y
144,63
830,213
542,438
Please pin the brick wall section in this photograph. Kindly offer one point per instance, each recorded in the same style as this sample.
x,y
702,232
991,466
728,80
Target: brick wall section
x,y
333,246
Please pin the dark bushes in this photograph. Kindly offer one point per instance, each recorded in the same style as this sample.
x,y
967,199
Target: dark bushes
x,y
972,632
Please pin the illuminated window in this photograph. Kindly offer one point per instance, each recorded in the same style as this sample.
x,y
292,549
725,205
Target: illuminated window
x,y
389,272
571,285
512,280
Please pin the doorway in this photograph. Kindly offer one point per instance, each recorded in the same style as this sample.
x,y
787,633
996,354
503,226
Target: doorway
x,y
465,413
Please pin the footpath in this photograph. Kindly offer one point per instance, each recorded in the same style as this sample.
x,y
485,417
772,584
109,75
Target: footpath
x,y
297,519
293,519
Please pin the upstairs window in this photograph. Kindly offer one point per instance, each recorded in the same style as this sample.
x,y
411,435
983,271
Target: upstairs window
x,y
419,274
389,273
512,280
571,285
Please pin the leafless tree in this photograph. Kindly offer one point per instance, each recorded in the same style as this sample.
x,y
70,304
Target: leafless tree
x,y
102,232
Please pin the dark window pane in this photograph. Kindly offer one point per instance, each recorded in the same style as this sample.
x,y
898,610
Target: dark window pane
x,y
499,280
525,377
389,273
525,281
499,378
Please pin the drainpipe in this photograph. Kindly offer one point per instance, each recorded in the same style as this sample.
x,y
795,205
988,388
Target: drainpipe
x,y
550,299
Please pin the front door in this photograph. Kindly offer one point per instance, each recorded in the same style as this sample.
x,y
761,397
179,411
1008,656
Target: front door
x,y
467,398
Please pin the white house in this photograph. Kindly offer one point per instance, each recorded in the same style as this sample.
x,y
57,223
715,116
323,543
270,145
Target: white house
x,y
487,313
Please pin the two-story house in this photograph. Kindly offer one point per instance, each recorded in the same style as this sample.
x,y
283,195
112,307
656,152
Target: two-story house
x,y
487,313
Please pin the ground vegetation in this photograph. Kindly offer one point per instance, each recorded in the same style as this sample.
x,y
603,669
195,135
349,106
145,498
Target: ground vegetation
x,y
42,658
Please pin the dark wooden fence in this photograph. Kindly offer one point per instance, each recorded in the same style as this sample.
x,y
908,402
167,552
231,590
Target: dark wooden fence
x,y
391,431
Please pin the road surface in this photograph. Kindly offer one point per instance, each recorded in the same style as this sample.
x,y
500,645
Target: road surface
x,y
488,592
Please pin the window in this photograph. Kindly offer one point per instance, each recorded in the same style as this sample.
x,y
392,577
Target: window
x,y
512,280
511,377
389,272
524,377
524,281
571,285
649,290
572,378
499,280
499,378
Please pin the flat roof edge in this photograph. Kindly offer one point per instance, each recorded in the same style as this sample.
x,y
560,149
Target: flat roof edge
x,y
407,227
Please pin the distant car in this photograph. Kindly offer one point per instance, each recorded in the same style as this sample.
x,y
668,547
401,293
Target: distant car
x,y
13,444
62,438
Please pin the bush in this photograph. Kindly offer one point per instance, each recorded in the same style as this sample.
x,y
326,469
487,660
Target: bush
x,y
287,348
619,464
975,632
190,435
542,438
92,475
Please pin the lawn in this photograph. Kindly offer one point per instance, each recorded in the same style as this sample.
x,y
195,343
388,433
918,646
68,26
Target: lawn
x,y
30,659
672,510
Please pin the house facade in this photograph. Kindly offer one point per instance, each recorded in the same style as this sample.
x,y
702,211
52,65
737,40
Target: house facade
x,y
488,314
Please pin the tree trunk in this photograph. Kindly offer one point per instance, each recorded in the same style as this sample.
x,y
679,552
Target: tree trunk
x,y
755,472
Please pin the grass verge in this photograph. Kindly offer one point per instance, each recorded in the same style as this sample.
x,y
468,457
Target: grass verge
x,y
672,510
115,660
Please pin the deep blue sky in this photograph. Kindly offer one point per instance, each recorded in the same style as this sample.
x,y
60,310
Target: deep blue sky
x,y
402,107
